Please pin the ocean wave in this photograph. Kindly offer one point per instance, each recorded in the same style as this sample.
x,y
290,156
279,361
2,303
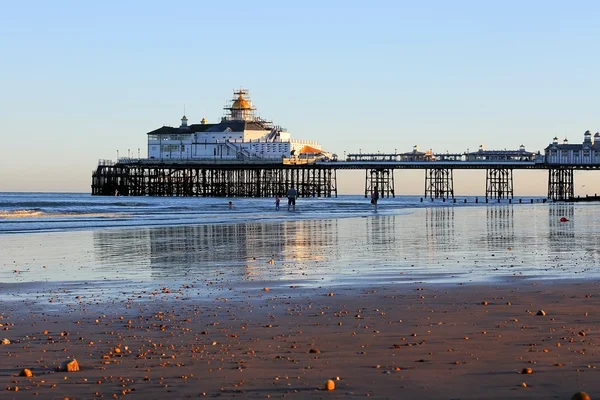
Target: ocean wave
x,y
20,214
41,214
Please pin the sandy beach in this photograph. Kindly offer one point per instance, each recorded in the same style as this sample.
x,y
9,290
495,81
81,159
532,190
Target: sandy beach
x,y
431,303
425,341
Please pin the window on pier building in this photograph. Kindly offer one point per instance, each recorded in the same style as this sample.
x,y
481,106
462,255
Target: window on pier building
x,y
576,153
564,153
586,153
553,153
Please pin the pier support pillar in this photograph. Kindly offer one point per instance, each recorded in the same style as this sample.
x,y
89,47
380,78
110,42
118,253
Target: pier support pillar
x,y
499,183
383,179
439,183
560,184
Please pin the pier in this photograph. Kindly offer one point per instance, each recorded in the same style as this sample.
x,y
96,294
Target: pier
x,y
243,155
316,178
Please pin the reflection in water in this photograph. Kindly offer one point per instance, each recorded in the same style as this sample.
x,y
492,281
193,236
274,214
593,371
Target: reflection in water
x,y
430,244
439,225
382,231
179,250
473,243
561,231
500,226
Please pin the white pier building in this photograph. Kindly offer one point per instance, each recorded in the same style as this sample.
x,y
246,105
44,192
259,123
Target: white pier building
x,y
240,135
585,153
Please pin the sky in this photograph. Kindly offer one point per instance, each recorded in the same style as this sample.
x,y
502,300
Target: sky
x,y
80,81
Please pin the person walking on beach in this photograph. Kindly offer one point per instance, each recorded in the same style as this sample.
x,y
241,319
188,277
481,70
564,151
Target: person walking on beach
x,y
277,200
291,195
375,197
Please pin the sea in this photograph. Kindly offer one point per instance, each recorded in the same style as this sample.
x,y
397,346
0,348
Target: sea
x,y
112,246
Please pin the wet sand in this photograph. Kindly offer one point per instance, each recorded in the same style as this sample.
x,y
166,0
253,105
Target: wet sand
x,y
428,341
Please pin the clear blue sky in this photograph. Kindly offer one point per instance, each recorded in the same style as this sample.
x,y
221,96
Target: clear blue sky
x,y
81,80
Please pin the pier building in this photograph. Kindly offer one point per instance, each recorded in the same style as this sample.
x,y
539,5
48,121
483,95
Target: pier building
x,y
585,153
240,135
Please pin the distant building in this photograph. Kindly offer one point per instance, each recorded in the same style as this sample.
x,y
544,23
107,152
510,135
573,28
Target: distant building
x,y
239,135
416,155
586,153
501,155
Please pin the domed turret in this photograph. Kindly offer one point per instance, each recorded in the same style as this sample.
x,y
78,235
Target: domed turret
x,y
241,108
587,137
566,141
241,103
555,140
184,122
203,122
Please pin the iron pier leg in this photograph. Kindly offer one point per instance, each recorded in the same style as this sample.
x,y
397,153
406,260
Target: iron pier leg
x,y
499,183
560,184
439,183
383,179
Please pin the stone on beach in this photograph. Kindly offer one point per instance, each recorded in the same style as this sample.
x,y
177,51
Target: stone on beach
x,y
541,313
5,341
26,372
69,366
580,396
330,385
527,371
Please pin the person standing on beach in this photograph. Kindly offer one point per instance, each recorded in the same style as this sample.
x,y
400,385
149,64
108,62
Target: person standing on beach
x,y
375,197
277,200
291,195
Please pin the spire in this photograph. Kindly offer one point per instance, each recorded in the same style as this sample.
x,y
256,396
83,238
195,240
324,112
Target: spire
x,y
184,119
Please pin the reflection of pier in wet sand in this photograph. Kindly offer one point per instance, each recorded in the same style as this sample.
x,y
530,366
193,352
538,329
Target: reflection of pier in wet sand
x,y
180,250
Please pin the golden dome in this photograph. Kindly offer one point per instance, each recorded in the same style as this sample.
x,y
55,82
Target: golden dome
x,y
203,121
241,103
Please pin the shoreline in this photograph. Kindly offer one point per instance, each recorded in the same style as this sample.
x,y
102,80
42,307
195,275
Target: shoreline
x,y
433,341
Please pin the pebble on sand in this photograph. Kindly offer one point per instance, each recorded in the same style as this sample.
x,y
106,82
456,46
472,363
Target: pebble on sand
x,y
541,312
5,341
69,366
527,371
580,396
330,385
26,372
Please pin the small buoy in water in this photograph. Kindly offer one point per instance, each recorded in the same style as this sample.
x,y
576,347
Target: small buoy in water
x,y
563,219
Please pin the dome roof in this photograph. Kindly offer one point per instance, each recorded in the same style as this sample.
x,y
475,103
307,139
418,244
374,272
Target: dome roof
x,y
203,121
597,134
241,103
